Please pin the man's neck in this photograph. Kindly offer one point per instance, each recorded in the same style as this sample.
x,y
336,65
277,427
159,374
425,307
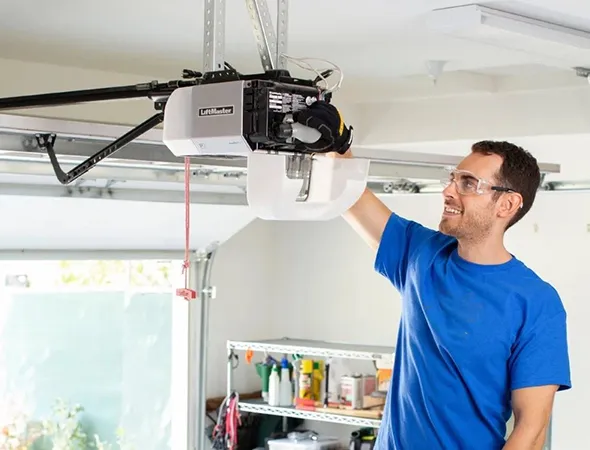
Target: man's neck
x,y
484,252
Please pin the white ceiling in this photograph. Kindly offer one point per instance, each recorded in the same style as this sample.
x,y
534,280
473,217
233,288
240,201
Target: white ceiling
x,y
382,46
369,39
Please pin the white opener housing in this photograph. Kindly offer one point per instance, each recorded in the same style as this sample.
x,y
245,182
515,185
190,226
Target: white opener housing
x,y
334,185
207,120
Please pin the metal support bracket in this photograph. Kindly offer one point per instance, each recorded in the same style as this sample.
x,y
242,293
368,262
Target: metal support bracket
x,y
47,141
282,32
583,72
271,45
214,36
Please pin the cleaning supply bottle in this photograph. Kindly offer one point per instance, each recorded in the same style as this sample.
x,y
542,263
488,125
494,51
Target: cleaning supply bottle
x,y
263,371
306,379
317,380
274,387
286,390
295,377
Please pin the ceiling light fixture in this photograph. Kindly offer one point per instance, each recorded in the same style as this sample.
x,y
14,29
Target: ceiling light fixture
x,y
475,20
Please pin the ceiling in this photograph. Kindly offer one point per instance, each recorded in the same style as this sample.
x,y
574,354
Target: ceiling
x,y
386,39
383,47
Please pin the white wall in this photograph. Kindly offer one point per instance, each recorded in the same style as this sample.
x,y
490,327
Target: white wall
x,y
245,306
326,302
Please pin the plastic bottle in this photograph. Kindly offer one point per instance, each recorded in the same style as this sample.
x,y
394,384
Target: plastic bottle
x,y
317,381
295,379
274,387
305,379
286,389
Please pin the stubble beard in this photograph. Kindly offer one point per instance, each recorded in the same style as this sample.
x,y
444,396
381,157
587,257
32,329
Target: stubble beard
x,y
469,228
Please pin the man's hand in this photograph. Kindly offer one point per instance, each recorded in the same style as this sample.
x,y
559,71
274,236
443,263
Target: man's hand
x,y
325,117
369,215
347,154
532,411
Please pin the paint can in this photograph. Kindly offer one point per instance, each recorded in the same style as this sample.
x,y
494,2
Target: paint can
x,y
351,391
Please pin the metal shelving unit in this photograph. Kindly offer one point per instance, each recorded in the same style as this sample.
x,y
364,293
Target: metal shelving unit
x,y
309,347
258,406
306,347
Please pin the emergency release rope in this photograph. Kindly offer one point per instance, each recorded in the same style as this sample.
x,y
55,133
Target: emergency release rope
x,y
186,292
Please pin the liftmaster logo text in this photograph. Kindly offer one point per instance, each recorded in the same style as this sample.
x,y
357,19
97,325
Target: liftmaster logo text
x,y
216,111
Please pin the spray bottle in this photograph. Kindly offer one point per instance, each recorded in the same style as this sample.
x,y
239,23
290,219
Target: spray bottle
x,y
286,388
274,386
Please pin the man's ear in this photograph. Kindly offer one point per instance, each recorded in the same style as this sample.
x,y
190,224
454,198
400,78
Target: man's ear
x,y
509,204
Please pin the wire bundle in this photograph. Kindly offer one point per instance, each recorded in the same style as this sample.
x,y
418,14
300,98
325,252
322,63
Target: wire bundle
x,y
303,62
225,433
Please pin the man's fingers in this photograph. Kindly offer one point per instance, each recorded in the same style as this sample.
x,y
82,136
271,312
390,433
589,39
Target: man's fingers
x,y
348,154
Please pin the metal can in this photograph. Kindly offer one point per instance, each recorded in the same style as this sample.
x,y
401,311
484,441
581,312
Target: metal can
x,y
351,391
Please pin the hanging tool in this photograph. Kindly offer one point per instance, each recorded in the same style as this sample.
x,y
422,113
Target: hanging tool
x,y
225,432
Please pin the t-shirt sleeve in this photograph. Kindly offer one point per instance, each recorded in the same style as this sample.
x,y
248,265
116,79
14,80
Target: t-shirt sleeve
x,y
540,354
400,239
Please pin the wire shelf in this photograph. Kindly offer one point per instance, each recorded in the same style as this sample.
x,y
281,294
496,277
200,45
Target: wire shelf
x,y
258,406
315,348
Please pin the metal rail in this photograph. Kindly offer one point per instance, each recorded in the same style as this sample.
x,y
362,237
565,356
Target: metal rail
x,y
198,325
148,159
83,139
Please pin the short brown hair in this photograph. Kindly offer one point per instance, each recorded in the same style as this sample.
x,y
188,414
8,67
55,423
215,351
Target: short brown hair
x,y
519,172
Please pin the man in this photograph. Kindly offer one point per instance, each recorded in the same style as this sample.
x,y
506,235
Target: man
x,y
481,335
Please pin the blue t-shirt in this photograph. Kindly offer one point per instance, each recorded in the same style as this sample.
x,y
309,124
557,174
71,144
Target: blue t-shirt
x,y
468,335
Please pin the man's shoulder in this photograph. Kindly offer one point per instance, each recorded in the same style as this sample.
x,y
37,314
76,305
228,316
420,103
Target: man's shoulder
x,y
539,297
533,283
438,241
418,237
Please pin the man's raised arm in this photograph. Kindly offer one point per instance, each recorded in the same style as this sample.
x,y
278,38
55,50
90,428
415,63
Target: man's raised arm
x,y
368,217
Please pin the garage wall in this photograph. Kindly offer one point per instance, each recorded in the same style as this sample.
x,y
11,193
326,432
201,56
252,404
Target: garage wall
x,y
246,305
328,303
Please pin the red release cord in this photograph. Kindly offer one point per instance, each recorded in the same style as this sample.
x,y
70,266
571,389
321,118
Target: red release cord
x,y
185,292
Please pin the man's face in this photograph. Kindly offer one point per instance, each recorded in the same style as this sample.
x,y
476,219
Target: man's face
x,y
471,217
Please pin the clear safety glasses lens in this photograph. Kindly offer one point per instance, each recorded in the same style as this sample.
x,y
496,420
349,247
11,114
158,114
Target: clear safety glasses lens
x,y
465,182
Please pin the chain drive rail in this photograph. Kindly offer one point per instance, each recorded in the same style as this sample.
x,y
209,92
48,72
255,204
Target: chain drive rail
x,y
155,91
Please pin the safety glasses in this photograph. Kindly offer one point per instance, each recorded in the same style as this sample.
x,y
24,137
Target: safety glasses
x,y
468,183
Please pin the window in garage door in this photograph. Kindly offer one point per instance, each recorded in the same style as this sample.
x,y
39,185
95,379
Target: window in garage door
x,y
95,335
